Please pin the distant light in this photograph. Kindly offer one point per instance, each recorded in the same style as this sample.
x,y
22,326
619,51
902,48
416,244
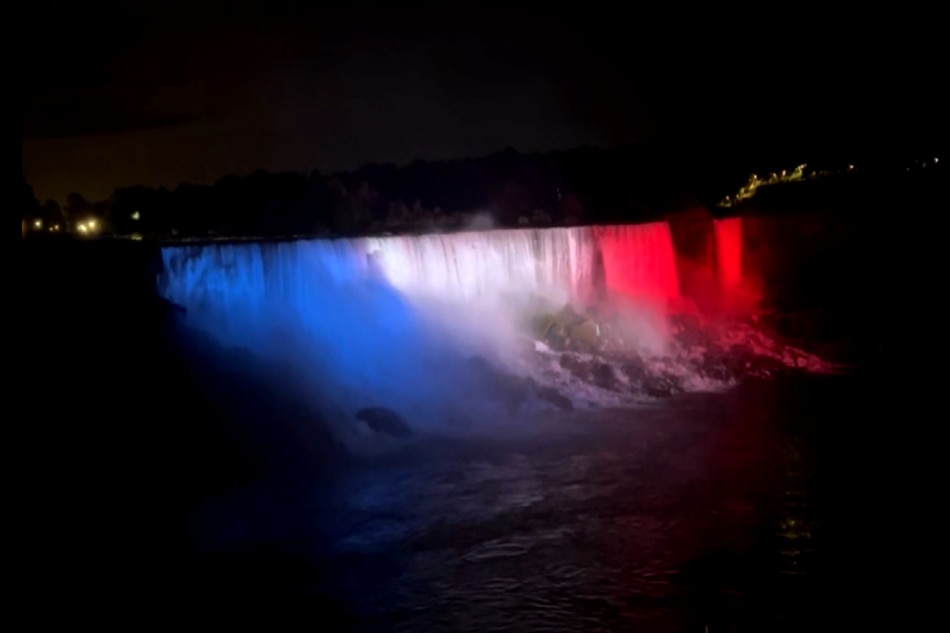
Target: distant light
x,y
82,228
37,224
850,167
55,227
936,160
91,224
135,215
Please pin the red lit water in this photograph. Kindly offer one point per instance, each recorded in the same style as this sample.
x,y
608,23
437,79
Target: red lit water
x,y
728,232
639,260
484,267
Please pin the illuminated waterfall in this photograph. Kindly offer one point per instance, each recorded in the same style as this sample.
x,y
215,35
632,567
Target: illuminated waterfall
x,y
728,234
466,266
560,263
639,260
371,321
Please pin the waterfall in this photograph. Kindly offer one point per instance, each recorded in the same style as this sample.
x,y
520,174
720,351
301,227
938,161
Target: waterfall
x,y
372,321
554,263
728,234
485,266
639,260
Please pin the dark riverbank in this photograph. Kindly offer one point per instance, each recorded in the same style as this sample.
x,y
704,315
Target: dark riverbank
x,y
131,424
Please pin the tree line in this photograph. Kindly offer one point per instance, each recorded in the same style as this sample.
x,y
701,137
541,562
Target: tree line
x,y
583,185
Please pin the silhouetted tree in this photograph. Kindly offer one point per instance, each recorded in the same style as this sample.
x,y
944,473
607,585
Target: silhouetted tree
x,y
195,212
53,216
77,210
571,211
512,203
135,210
583,185
397,215
540,217
318,204
352,212
29,205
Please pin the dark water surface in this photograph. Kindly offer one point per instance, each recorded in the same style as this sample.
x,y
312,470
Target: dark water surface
x,y
734,511
801,504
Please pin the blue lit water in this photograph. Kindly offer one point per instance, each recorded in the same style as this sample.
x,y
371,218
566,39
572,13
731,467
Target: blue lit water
x,y
722,510
158,482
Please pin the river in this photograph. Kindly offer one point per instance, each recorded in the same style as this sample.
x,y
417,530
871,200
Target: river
x,y
733,511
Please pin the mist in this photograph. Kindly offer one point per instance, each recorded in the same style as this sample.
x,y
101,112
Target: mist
x,y
453,331
384,322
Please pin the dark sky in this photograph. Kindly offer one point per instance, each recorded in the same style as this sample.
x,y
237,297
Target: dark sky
x,y
163,92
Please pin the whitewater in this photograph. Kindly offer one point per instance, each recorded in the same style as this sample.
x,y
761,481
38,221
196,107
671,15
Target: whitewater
x,y
444,328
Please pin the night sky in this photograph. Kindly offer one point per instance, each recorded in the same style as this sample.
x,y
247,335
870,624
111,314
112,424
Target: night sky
x,y
158,93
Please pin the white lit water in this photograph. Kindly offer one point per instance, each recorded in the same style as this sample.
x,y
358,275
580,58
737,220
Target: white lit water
x,y
694,513
390,321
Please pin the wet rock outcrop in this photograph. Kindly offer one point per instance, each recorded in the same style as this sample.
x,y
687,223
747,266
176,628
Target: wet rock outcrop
x,y
567,329
511,390
599,349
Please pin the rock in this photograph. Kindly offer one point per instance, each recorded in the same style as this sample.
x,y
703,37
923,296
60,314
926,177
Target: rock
x,y
578,367
557,342
511,390
603,376
527,349
690,332
635,369
585,336
542,326
659,388
568,317
384,421
714,364
552,395
557,329
766,367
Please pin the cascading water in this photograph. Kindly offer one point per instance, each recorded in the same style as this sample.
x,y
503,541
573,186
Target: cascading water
x,y
236,291
481,265
739,288
316,307
639,260
389,321
728,232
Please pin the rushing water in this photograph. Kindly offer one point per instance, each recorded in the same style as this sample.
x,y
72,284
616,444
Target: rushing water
x,y
795,504
699,512
389,321
691,514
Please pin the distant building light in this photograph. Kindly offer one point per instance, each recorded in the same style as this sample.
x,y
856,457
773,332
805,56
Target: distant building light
x,y
135,215
37,224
